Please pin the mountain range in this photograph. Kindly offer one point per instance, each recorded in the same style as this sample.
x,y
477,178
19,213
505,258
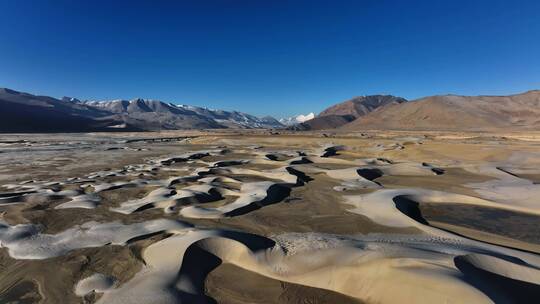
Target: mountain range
x,y
456,113
24,112
440,112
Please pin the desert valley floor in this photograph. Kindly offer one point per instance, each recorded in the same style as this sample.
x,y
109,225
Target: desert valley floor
x,y
262,217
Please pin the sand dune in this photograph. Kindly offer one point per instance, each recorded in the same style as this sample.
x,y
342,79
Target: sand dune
x,y
402,265
26,242
95,283
180,213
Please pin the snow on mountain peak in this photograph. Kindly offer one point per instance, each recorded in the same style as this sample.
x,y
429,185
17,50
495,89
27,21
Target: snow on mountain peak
x,y
303,118
297,119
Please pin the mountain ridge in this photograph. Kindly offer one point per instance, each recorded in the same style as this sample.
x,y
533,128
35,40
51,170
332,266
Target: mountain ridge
x,y
456,112
25,112
343,113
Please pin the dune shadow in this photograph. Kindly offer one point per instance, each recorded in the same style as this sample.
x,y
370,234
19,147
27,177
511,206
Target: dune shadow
x,y
497,287
200,198
410,208
303,160
332,151
370,173
196,265
272,157
228,163
198,262
302,178
275,194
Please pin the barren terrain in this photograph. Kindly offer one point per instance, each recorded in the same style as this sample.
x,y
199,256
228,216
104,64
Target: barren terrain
x,y
261,217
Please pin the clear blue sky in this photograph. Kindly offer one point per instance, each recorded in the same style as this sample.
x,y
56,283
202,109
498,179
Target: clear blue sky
x,y
268,57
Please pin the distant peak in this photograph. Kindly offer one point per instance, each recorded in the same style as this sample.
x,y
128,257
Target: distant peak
x,y
10,91
532,92
297,119
70,99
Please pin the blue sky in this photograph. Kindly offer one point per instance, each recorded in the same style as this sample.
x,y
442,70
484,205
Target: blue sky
x,y
268,57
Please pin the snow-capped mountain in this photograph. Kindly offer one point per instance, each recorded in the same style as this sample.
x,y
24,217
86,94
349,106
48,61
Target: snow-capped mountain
x,y
172,116
24,112
289,121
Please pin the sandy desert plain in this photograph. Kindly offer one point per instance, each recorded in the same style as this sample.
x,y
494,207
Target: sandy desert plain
x,y
266,217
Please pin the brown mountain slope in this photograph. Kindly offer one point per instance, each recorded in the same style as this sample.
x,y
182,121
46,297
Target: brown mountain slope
x,y
362,105
451,112
323,123
347,111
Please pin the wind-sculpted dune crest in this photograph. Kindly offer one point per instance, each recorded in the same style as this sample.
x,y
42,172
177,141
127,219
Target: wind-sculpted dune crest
x,y
399,264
